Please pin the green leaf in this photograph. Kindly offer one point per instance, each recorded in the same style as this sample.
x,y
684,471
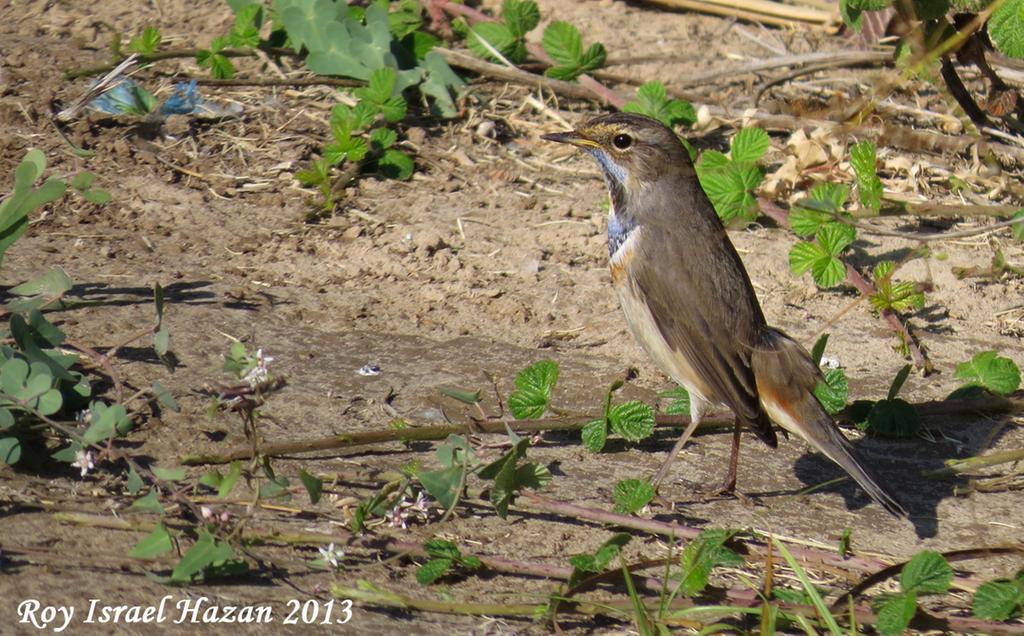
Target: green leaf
x,y
245,33
595,434
432,570
895,612
133,483
220,66
834,195
593,58
863,156
1017,230
730,187
803,255
82,180
806,222
833,239
353,149
680,404
205,555
381,88
441,84
150,502
898,380
154,544
54,283
1006,28
652,100
634,420
462,395
521,16
563,43
998,600
598,561
405,19
107,422
701,555
533,476
275,488
455,452
711,160
168,474
499,36
504,489
6,418
828,271
146,42
869,5
534,385
926,573
893,418
383,138
833,392
395,164
228,483
993,372
421,43
749,145
470,562
818,350
164,397
441,484
161,341
32,165
212,479
314,487
631,495
442,549
317,173
10,450
97,196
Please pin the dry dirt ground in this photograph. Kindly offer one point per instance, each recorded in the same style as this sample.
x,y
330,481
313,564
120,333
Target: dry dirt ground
x,y
490,258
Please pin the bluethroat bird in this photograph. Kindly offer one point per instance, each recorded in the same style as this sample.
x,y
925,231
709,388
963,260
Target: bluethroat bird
x,y
689,302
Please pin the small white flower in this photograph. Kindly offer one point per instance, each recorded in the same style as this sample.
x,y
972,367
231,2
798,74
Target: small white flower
x,y
422,503
399,516
332,555
85,460
259,373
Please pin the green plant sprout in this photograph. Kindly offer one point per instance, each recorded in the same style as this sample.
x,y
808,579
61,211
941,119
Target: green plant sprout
x,y
891,417
508,37
652,100
445,556
730,181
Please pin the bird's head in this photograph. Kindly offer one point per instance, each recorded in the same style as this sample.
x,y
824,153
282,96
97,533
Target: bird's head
x,y
633,150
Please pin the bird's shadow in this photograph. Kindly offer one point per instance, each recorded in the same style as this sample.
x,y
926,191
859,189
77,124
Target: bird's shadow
x,y
900,465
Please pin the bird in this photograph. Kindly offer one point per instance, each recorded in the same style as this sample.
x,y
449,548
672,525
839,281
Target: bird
x,y
688,300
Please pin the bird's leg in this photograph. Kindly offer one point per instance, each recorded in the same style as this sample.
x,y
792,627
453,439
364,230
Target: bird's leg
x,y
696,412
729,487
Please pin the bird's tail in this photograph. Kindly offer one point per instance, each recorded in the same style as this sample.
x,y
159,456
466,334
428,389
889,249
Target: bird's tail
x,y
786,378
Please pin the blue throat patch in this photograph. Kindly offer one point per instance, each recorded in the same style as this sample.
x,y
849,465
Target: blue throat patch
x,y
612,170
619,230
620,226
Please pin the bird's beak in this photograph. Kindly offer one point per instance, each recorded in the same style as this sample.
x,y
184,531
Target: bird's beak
x,y
573,137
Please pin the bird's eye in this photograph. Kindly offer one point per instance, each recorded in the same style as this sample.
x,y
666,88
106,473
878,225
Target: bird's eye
x,y
622,141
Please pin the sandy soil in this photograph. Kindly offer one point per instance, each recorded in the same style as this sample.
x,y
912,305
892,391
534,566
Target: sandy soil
x,y
490,258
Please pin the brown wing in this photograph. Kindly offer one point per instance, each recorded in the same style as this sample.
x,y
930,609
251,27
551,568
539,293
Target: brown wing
x,y
703,304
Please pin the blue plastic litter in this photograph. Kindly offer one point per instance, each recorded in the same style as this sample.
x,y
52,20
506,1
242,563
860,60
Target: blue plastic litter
x,y
127,97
